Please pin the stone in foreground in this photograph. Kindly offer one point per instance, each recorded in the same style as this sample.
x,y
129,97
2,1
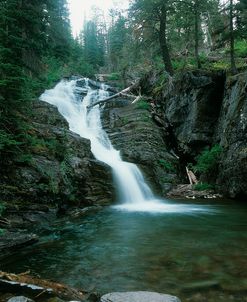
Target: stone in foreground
x,y
20,299
140,296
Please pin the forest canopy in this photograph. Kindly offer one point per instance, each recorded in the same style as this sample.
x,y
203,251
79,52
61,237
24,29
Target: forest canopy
x,y
37,48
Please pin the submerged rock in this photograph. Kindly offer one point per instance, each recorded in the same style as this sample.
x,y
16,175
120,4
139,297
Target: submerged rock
x,y
12,242
140,296
20,299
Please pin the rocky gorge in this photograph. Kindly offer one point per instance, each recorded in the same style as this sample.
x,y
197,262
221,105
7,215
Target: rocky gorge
x,y
163,133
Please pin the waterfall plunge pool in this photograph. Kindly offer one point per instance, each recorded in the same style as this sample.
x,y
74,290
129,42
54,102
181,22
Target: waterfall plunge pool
x,y
197,255
197,252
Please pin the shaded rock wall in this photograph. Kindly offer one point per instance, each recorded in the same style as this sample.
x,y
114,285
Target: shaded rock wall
x,y
231,134
200,109
59,168
192,105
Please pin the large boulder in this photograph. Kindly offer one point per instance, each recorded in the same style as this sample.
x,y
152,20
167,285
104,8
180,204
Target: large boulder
x,y
139,296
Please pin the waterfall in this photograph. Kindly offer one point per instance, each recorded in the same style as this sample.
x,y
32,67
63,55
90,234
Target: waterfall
x,y
134,192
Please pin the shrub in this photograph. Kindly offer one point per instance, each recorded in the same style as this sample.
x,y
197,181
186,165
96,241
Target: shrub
x,y
114,77
241,48
142,104
209,159
168,166
203,186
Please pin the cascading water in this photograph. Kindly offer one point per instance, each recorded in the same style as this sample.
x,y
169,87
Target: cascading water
x,y
134,193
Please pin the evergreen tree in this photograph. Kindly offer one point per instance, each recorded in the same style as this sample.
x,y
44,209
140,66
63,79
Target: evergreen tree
x,y
58,29
154,15
22,41
93,44
117,40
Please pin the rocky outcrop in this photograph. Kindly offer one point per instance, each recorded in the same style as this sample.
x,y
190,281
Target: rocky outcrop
x,y
200,109
58,168
191,104
231,134
132,131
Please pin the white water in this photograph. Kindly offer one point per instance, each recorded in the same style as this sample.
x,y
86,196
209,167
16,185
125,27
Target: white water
x,y
134,193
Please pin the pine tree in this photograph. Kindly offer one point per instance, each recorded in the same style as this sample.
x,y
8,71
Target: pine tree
x,y
22,37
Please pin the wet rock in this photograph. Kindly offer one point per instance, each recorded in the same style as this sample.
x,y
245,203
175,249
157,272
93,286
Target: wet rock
x,y
230,285
55,299
20,299
25,288
187,191
141,296
12,242
140,141
32,287
201,285
75,212
60,168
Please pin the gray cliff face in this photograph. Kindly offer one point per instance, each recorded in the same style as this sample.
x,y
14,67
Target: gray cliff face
x,y
60,167
133,132
203,109
231,134
192,105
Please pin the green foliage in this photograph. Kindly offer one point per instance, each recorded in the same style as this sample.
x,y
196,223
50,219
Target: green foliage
x,y
208,161
24,158
115,76
241,48
7,140
142,104
168,166
203,187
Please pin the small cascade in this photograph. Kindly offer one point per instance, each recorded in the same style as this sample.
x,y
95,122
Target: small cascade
x,y
134,193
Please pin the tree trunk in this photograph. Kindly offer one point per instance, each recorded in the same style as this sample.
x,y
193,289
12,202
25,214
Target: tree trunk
x,y
197,57
233,65
163,41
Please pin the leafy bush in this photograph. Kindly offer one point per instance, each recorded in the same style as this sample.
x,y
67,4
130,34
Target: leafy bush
x,y
142,104
241,48
168,166
114,76
7,140
209,159
203,186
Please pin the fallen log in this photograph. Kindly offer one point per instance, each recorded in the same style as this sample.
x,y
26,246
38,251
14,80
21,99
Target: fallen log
x,y
191,176
123,93
35,287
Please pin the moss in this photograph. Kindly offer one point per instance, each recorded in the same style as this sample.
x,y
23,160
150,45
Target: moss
x,y
168,166
203,187
142,104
